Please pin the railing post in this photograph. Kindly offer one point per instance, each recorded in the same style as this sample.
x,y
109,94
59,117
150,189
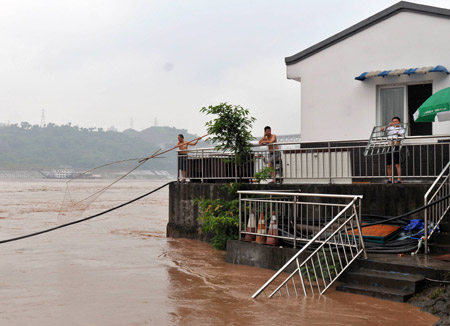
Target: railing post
x,y
295,221
425,220
361,239
270,208
178,167
235,172
202,167
392,162
329,162
240,216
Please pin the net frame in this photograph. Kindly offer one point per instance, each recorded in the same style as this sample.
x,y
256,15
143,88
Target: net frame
x,y
383,142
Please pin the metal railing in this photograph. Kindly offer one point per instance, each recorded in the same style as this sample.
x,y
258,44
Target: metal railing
x,y
439,191
208,164
298,216
328,252
323,162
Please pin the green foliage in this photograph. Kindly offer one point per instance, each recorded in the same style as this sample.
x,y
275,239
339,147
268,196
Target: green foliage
x,y
32,147
231,130
264,174
437,293
232,188
323,259
221,217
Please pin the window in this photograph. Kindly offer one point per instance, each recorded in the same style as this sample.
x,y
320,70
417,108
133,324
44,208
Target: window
x,y
391,104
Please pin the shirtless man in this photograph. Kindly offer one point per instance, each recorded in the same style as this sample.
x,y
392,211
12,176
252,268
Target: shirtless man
x,y
274,154
182,153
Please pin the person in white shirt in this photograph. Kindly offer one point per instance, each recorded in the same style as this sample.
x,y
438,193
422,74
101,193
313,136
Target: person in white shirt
x,y
394,132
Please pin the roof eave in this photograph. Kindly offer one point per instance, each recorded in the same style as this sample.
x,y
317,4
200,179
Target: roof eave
x,y
401,6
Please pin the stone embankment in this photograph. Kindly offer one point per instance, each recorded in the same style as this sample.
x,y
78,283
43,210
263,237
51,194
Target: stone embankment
x,y
435,299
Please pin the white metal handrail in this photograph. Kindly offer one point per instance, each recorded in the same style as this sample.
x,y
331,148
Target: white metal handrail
x,y
326,263
440,189
298,216
323,162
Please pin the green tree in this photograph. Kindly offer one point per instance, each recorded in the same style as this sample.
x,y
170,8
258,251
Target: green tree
x,y
25,125
231,130
221,217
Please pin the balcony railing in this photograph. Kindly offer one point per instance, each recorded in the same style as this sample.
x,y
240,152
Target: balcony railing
x,y
322,162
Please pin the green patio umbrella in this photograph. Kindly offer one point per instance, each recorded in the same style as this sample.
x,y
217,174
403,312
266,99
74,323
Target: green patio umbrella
x,y
438,102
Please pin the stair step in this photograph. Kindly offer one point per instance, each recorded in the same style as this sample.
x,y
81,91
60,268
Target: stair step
x,y
381,278
444,227
440,238
429,271
438,248
377,292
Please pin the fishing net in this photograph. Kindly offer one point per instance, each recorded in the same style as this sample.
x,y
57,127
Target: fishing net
x,y
85,188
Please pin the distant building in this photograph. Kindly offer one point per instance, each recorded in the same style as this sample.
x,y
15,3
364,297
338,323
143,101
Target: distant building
x,y
366,74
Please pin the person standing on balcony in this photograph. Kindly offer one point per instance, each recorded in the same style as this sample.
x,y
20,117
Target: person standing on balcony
x,y
182,153
274,154
394,132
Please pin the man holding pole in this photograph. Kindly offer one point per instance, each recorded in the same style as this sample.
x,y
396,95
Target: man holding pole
x,y
182,153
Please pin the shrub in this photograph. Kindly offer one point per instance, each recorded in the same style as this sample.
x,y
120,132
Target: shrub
x,y
221,217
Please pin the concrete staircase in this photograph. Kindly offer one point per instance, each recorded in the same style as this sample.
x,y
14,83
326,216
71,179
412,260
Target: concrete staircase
x,y
384,281
396,278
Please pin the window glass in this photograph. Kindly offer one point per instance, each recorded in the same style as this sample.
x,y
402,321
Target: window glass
x,y
392,104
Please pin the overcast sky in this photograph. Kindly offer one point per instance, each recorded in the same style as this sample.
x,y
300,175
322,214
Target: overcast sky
x,y
101,63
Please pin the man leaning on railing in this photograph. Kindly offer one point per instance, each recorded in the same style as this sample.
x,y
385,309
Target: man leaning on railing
x,y
274,154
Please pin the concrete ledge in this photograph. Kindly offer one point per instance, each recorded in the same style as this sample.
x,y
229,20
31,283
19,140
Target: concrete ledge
x,y
259,255
184,212
174,230
378,199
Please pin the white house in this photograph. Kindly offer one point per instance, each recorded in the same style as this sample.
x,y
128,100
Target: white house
x,y
366,74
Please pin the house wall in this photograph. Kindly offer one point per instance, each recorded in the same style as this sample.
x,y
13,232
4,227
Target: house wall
x,y
335,106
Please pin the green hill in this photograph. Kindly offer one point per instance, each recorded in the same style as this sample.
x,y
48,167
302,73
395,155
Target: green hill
x,y
32,147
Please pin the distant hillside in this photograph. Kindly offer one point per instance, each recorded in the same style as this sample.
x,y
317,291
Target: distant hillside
x,y
164,137
32,147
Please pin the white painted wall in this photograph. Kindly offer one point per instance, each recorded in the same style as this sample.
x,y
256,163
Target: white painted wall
x,y
335,106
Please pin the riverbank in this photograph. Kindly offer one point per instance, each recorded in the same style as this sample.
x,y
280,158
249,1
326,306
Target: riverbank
x,y
183,214
435,299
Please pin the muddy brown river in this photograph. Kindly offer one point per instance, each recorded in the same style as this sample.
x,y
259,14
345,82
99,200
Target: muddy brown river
x,y
120,269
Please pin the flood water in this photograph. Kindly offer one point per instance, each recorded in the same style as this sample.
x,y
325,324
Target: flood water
x,y
120,269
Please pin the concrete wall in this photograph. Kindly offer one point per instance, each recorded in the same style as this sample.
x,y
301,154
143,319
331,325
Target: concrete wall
x,y
379,199
336,106
184,213
261,256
